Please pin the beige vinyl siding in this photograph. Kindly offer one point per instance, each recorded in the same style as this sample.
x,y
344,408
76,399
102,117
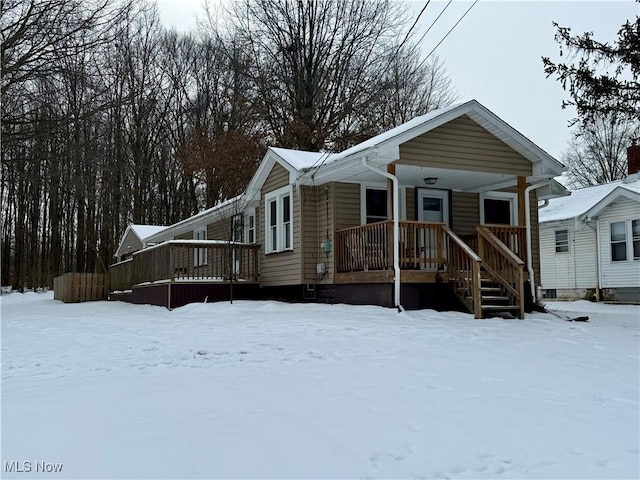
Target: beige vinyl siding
x,y
410,204
465,208
623,273
130,244
310,237
186,235
283,268
462,144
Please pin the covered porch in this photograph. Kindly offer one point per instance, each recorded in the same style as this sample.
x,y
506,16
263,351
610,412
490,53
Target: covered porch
x,y
487,270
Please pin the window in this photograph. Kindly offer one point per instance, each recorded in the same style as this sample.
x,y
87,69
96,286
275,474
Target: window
x,y
278,227
621,248
375,205
237,229
618,241
562,241
250,223
499,208
200,254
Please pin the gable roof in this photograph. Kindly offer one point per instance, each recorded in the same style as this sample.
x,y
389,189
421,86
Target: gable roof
x,y
589,201
142,232
307,167
197,220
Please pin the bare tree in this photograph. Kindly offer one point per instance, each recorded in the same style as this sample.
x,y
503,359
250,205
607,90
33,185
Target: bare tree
x,y
597,154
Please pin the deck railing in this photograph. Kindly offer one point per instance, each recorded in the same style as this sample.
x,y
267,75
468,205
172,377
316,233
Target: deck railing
x,y
512,236
504,266
187,260
464,267
367,247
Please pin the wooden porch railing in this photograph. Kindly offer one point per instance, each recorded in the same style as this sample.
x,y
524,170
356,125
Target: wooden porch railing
x,y
514,237
504,266
367,247
181,260
464,267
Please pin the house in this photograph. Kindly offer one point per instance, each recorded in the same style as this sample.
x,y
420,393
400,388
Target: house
x,y
134,238
444,205
590,241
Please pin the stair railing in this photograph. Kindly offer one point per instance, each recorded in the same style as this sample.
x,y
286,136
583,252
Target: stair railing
x,y
464,269
504,266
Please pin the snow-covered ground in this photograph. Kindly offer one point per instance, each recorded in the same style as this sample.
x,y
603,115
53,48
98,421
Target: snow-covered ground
x,y
272,390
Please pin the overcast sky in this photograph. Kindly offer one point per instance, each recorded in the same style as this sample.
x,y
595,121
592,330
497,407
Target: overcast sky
x,y
494,54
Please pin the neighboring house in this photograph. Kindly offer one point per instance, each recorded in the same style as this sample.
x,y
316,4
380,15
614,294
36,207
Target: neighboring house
x,y
444,204
134,239
590,243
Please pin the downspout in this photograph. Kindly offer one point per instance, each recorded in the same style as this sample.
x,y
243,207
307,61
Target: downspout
x,y
396,229
598,264
527,214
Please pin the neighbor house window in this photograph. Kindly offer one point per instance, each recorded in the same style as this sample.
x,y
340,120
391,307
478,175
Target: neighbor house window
x,y
250,223
635,235
376,205
200,254
562,241
278,220
618,241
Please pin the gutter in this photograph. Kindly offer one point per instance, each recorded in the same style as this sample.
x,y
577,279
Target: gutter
x,y
396,227
527,212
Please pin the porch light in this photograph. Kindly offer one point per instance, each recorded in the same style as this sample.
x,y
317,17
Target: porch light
x,y
430,180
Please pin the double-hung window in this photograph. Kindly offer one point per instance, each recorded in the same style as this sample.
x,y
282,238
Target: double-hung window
x,y
562,241
250,223
625,240
278,220
200,254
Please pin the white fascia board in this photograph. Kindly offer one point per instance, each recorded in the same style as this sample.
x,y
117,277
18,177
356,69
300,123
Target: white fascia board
x,y
618,192
258,179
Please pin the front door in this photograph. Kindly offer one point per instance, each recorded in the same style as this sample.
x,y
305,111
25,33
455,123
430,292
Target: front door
x,y
432,206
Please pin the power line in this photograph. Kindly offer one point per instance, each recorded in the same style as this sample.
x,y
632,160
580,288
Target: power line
x,y
406,37
433,23
447,34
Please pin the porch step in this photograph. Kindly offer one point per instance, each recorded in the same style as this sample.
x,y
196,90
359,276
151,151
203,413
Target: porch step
x,y
495,298
489,289
500,307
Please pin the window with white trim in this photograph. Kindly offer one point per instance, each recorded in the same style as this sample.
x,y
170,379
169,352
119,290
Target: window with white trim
x,y
375,205
562,241
278,220
200,254
625,240
250,224
499,208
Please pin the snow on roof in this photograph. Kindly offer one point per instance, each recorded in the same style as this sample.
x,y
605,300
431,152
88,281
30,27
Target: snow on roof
x,y
144,231
300,159
581,201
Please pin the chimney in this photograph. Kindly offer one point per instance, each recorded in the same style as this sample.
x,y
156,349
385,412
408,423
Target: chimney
x,y
633,158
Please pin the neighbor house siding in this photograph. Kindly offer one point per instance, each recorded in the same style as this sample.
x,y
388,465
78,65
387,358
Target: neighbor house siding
x,y
282,268
462,144
575,269
623,273
130,244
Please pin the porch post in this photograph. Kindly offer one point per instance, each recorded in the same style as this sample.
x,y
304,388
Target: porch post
x,y
522,203
391,168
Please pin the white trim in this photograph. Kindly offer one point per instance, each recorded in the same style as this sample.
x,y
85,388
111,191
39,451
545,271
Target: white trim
x,y
628,240
278,196
618,192
363,198
512,197
433,193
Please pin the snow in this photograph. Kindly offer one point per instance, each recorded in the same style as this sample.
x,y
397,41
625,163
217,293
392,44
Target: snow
x,y
273,390
144,231
582,200
301,159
